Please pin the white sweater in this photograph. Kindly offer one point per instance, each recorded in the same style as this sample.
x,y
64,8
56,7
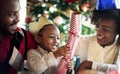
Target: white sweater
x,y
103,58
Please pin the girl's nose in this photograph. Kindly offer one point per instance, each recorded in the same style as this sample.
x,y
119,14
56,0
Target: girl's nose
x,y
56,40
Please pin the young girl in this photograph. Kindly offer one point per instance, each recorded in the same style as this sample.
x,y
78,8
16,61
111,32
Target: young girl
x,y
45,59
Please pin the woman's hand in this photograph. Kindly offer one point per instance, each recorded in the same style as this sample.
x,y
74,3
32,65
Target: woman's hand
x,y
84,66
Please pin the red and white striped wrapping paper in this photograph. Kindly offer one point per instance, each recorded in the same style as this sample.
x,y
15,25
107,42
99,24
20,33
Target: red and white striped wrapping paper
x,y
75,28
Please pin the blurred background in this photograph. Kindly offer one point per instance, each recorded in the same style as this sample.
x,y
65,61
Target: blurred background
x,y
59,12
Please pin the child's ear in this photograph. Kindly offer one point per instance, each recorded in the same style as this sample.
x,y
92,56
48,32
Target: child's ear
x,y
37,38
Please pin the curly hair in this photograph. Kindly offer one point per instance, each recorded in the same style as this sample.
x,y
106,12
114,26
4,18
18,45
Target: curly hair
x,y
107,14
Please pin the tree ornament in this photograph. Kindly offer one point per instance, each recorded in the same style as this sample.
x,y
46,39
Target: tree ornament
x,y
71,1
92,4
28,19
85,7
69,11
58,20
46,15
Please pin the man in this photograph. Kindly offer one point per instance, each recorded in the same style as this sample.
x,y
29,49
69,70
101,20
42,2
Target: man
x,y
14,42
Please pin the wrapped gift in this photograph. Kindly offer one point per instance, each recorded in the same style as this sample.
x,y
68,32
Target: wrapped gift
x,y
75,26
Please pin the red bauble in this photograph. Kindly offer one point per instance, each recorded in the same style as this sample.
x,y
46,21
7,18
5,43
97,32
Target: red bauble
x,y
71,1
28,19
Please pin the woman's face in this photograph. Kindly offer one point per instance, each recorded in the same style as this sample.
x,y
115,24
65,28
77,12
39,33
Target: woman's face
x,y
50,38
106,32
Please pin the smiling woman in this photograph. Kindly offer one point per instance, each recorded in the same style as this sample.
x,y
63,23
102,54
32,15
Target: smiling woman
x,y
105,44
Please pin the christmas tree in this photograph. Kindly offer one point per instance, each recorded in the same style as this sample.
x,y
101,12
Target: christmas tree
x,y
59,12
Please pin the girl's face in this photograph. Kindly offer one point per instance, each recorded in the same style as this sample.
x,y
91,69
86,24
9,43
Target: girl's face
x,y
106,32
50,38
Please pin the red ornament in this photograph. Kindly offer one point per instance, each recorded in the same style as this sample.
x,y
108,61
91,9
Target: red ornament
x,y
85,5
71,1
28,19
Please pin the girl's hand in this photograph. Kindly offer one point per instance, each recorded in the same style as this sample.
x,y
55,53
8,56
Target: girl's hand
x,y
62,51
69,67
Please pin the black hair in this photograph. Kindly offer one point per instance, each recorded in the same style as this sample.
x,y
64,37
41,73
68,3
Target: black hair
x,y
107,14
4,3
45,27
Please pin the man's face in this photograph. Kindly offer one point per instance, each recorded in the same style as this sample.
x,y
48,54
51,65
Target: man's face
x,y
106,32
9,16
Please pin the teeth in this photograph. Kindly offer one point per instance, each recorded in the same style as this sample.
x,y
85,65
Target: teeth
x,y
14,26
54,46
100,37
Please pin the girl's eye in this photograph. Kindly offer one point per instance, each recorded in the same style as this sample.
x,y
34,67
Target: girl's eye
x,y
51,37
58,38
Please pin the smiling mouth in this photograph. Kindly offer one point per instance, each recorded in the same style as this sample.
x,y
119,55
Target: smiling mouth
x,y
100,40
13,26
54,47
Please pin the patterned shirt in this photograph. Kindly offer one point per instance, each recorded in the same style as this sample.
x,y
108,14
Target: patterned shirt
x,y
42,62
12,51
